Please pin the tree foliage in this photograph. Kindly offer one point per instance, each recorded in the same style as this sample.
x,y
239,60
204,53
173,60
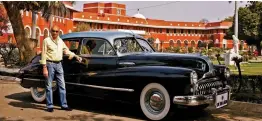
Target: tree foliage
x,y
204,20
229,19
26,45
82,27
249,24
151,40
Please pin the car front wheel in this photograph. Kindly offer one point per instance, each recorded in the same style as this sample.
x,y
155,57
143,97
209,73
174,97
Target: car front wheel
x,y
155,101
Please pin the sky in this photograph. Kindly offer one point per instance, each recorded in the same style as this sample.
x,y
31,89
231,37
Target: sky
x,y
192,11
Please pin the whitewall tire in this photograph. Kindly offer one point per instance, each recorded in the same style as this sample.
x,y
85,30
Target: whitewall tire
x,y
155,101
38,94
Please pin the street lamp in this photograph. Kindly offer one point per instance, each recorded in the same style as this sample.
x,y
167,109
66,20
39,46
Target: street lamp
x,y
236,20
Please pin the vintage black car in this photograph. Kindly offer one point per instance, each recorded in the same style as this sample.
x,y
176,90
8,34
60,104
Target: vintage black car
x,y
123,66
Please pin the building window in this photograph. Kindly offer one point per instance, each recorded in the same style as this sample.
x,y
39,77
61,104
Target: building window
x,y
167,30
171,43
193,44
182,31
118,11
60,33
45,33
178,43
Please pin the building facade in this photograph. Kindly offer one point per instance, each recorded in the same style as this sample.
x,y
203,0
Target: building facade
x,y
112,16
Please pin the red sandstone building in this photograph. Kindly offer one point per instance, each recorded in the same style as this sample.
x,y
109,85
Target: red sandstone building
x,y
112,16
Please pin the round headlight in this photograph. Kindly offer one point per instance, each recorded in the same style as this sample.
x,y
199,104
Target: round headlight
x,y
193,77
227,73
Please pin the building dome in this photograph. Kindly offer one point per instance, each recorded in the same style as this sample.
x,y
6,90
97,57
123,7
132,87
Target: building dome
x,y
138,15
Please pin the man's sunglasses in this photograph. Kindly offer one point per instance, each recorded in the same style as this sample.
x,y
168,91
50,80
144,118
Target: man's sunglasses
x,y
54,31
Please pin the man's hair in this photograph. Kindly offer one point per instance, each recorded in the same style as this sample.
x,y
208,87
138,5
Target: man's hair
x,y
90,42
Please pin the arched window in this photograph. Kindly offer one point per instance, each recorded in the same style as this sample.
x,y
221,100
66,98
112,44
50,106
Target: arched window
x,y
60,33
186,43
199,43
178,43
171,43
193,44
45,33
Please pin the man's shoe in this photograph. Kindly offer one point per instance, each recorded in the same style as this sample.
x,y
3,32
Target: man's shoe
x,y
67,109
50,110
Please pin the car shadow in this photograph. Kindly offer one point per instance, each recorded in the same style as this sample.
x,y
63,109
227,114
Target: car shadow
x,y
6,119
98,106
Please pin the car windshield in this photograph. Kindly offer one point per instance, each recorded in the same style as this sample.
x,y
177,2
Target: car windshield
x,y
145,45
127,45
131,45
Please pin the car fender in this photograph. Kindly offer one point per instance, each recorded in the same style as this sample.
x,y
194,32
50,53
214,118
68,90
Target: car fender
x,y
175,79
154,71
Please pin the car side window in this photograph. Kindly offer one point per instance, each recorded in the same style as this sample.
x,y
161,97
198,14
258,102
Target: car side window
x,y
96,46
72,44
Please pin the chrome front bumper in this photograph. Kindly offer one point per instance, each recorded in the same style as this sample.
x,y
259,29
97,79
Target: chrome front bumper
x,y
196,100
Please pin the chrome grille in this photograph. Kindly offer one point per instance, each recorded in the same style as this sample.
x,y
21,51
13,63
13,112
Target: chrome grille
x,y
204,88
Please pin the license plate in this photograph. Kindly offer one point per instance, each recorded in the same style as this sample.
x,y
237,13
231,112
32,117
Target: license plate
x,y
221,100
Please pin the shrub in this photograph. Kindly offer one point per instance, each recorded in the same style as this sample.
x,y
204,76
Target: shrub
x,y
9,53
190,49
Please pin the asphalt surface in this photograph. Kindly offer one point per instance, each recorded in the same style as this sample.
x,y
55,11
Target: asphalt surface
x,y
16,104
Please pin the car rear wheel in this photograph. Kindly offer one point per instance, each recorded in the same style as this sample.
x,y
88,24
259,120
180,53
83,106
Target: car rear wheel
x,y
38,94
155,101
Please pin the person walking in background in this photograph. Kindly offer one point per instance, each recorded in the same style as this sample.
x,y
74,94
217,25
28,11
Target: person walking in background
x,y
51,57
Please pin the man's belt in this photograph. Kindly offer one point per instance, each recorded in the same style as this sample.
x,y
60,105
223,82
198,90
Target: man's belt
x,y
53,61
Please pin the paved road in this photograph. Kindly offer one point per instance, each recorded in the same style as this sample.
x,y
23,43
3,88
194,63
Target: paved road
x,y
16,104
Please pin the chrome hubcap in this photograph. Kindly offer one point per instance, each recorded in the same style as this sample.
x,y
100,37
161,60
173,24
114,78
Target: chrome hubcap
x,y
39,92
155,101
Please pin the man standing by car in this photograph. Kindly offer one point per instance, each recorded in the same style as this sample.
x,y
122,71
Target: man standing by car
x,y
52,55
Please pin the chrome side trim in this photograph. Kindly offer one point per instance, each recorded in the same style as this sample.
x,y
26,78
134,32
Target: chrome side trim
x,y
103,87
32,79
126,63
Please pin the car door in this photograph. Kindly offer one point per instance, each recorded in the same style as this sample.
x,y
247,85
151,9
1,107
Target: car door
x,y
98,67
70,66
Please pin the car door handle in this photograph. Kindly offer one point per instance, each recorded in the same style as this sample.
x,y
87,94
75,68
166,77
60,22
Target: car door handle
x,y
126,63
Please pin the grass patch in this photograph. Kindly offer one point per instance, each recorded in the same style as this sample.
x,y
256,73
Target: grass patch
x,y
247,68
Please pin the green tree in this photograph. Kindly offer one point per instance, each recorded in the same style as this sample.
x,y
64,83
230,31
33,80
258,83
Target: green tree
x,y
27,45
229,19
249,24
151,40
204,20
